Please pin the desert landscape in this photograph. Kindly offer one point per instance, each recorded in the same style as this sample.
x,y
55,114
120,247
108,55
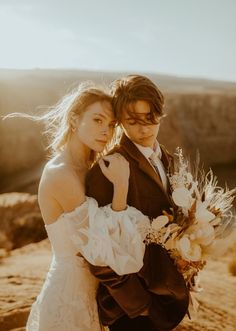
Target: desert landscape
x,y
201,116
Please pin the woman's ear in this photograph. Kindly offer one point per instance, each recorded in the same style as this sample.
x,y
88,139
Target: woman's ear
x,y
73,122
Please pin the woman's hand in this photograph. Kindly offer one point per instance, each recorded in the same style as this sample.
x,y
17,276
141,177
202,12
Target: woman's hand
x,y
117,171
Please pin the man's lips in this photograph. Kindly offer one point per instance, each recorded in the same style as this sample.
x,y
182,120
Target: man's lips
x,y
146,138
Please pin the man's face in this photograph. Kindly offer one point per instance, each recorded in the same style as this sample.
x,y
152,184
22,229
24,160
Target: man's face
x,y
139,128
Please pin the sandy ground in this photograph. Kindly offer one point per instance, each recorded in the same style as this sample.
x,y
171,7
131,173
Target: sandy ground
x,y
22,274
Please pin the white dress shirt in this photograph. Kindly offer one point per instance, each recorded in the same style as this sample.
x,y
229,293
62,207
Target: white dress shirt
x,y
154,158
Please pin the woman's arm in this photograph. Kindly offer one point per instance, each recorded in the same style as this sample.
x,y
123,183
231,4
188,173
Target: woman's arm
x,y
116,169
128,291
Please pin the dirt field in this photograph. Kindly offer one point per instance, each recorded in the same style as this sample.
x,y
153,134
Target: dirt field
x,y
22,274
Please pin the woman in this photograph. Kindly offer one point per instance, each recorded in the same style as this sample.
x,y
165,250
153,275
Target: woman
x,y
81,126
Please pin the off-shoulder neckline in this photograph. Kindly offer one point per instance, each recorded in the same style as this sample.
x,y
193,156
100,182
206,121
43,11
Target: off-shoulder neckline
x,y
67,213
61,217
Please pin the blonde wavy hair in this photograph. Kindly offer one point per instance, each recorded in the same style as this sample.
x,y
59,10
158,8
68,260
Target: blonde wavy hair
x,y
57,118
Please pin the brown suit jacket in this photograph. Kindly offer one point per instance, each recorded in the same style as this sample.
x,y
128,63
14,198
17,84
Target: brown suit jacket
x,y
158,286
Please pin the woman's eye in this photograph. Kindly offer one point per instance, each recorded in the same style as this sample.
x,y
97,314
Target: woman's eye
x,y
98,120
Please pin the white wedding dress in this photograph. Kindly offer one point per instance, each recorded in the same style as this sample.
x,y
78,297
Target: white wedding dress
x,y
67,301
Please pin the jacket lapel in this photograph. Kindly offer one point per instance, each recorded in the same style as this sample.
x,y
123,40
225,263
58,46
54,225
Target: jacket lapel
x,y
167,160
144,165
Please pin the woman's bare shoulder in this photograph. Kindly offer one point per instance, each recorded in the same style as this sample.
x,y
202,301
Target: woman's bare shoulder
x,y
60,183
55,172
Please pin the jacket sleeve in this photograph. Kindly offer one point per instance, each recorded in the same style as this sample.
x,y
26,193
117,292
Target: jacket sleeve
x,y
127,290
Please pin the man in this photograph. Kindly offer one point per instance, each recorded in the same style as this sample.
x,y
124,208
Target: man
x,y
155,298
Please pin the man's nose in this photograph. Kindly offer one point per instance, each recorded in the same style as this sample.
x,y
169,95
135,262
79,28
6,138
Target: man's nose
x,y
143,128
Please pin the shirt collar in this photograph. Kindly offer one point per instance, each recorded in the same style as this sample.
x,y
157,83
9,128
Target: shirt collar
x,y
148,151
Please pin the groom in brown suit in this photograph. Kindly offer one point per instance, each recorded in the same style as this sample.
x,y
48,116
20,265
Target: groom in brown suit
x,y
156,297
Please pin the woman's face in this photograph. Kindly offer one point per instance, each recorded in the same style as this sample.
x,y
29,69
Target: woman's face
x,y
95,126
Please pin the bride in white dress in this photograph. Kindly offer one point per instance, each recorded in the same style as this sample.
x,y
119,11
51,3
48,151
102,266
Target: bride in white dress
x,y
81,126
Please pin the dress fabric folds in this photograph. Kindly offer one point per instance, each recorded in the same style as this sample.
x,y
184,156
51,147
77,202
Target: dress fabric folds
x,y
103,237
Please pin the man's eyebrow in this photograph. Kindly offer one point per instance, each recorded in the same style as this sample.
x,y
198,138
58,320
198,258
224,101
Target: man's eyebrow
x,y
137,115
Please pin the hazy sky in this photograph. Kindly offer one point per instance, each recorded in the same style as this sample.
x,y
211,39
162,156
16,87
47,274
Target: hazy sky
x,y
180,37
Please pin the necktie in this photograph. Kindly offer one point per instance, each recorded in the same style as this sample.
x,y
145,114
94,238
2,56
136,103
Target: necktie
x,y
156,162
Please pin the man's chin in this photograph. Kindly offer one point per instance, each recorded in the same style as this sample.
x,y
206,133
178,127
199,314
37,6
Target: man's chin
x,y
146,143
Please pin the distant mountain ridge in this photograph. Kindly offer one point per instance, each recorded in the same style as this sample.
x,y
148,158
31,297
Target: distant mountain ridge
x,y
201,116
166,82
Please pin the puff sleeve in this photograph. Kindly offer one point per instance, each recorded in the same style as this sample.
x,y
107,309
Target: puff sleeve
x,y
108,238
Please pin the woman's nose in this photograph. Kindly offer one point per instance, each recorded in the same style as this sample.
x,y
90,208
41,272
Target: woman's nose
x,y
105,130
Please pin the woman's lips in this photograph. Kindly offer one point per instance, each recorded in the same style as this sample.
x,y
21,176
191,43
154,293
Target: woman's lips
x,y
101,141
